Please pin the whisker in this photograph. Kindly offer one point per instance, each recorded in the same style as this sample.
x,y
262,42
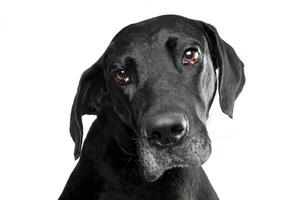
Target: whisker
x,y
128,161
123,149
134,139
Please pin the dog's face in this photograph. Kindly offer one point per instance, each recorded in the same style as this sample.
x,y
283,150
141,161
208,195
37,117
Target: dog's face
x,y
161,82
159,77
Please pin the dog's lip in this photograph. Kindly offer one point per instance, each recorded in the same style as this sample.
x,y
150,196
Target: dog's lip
x,y
152,176
150,170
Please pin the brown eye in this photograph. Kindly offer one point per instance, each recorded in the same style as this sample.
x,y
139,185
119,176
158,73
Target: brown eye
x,y
190,56
122,77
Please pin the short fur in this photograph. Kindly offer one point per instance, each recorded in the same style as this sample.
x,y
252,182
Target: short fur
x,y
117,161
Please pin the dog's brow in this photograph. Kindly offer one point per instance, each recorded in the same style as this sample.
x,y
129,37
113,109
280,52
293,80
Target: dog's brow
x,y
171,43
129,61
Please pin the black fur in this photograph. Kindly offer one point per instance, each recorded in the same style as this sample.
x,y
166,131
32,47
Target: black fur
x,y
117,161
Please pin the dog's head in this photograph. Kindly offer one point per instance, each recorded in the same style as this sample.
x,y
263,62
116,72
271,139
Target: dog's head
x,y
159,76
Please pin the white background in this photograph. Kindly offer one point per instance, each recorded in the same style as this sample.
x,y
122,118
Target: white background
x,y
46,45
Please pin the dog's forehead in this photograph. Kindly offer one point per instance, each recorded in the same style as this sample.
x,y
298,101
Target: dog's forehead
x,y
155,31
145,43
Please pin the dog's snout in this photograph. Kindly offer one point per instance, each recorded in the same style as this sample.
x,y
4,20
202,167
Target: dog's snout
x,y
166,129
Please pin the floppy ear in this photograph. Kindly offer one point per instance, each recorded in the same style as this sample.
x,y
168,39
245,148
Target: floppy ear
x,y
88,100
231,69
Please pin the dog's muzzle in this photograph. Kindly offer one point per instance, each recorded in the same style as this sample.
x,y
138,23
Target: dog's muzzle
x,y
169,141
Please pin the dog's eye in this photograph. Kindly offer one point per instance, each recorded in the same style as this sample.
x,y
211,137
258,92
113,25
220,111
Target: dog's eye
x,y
190,56
122,77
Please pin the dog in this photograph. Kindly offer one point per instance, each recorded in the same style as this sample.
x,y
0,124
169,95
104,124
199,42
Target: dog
x,y
152,90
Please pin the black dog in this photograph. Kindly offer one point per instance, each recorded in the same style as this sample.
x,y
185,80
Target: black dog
x,y
151,91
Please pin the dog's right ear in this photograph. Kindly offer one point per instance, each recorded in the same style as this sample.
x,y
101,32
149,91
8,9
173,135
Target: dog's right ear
x,y
88,99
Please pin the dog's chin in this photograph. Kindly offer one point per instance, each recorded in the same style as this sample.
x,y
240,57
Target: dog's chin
x,y
152,175
154,162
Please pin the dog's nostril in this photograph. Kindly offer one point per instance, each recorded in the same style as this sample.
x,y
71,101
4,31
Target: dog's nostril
x,y
155,135
177,129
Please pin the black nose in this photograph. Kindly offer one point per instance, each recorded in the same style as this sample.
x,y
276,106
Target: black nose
x,y
166,129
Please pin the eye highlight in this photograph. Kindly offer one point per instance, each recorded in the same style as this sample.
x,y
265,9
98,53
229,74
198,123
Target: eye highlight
x,y
190,56
122,77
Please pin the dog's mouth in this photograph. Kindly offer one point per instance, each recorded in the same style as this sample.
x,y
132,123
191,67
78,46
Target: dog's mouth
x,y
154,161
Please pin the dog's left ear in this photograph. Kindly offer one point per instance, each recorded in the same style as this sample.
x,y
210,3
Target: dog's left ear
x,y
231,68
88,100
